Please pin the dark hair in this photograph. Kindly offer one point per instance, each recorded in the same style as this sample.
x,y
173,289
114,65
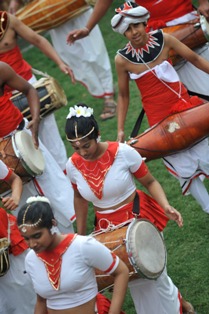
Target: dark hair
x,y
33,211
84,126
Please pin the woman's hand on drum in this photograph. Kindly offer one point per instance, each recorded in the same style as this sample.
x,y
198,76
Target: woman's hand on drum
x,y
174,214
77,34
204,9
67,70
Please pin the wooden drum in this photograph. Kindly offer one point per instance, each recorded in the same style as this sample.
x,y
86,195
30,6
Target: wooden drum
x,y
175,133
19,154
193,35
139,245
42,15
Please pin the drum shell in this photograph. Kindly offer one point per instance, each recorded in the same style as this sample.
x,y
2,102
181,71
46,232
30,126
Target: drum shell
x,y
191,34
52,97
42,15
175,133
117,241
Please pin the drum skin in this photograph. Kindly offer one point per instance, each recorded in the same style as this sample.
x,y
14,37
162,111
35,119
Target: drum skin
x,y
175,133
191,34
42,15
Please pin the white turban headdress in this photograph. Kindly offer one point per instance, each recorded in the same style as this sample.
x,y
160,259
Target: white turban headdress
x,y
128,15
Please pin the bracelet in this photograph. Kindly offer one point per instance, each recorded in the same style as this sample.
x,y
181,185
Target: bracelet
x,y
86,28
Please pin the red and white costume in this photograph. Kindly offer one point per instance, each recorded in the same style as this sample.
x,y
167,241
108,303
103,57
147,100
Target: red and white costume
x,y
72,280
111,183
169,13
52,183
88,57
15,282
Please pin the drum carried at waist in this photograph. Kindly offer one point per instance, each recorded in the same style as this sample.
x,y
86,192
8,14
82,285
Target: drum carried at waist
x,y
51,95
193,34
19,154
139,245
42,15
175,133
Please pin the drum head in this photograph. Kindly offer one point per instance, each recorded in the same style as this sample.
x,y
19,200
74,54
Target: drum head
x,y
146,248
31,158
205,26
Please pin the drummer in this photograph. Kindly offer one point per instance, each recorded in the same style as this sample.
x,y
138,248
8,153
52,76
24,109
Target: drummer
x,y
11,29
145,60
69,285
53,182
103,173
14,282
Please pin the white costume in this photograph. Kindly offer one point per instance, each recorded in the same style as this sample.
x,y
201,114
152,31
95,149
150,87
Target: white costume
x,y
118,185
77,278
88,57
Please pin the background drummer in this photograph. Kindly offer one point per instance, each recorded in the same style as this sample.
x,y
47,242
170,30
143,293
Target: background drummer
x,y
53,182
103,173
15,283
10,53
148,66
90,54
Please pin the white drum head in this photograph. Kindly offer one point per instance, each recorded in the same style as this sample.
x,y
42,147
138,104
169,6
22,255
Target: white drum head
x,y
31,158
146,249
205,26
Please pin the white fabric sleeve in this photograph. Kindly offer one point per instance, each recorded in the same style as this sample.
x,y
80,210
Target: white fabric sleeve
x,y
132,157
97,255
69,170
3,170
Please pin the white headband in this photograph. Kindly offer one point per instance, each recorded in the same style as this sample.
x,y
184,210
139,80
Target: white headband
x,y
129,15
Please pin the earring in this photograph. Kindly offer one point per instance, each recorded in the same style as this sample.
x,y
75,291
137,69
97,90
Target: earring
x,y
54,230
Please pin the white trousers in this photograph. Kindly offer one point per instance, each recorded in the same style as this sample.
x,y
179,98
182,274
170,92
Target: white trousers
x,y
87,57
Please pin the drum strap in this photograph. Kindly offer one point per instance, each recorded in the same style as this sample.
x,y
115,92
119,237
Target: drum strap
x,y
136,205
138,123
206,97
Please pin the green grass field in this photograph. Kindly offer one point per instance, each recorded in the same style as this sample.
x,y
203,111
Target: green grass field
x,y
188,247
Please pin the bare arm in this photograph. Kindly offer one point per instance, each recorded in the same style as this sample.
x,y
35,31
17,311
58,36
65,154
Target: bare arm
x,y
40,307
121,275
157,192
100,9
11,202
203,8
81,211
40,42
123,96
16,82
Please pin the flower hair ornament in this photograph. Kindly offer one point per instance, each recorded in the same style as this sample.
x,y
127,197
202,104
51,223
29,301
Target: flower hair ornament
x,y
37,198
79,111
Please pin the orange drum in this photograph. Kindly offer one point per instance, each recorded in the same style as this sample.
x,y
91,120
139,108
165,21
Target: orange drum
x,y
139,245
193,34
42,15
175,133
19,154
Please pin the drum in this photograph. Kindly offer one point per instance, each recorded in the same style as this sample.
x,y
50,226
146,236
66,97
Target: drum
x,y
139,245
42,15
193,34
19,154
175,133
51,95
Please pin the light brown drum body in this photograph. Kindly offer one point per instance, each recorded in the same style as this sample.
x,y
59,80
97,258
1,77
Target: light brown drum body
x,y
175,133
19,154
140,246
51,95
193,35
42,15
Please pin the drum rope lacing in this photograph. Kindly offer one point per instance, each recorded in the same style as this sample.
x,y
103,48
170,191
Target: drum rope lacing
x,y
110,226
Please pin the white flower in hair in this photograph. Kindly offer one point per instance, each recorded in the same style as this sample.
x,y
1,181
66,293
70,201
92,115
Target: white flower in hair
x,y
38,198
79,111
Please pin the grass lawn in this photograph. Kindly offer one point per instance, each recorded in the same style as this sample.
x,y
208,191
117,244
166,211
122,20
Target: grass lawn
x,y
188,247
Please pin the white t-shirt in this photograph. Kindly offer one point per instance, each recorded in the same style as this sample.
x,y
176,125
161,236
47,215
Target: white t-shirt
x,y
77,280
118,183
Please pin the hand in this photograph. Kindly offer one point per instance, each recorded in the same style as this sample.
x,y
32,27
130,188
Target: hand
x,y
121,137
77,34
204,10
14,6
67,70
33,126
9,203
173,214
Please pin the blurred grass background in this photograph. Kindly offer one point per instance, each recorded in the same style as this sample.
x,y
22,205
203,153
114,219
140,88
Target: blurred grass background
x,y
188,247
